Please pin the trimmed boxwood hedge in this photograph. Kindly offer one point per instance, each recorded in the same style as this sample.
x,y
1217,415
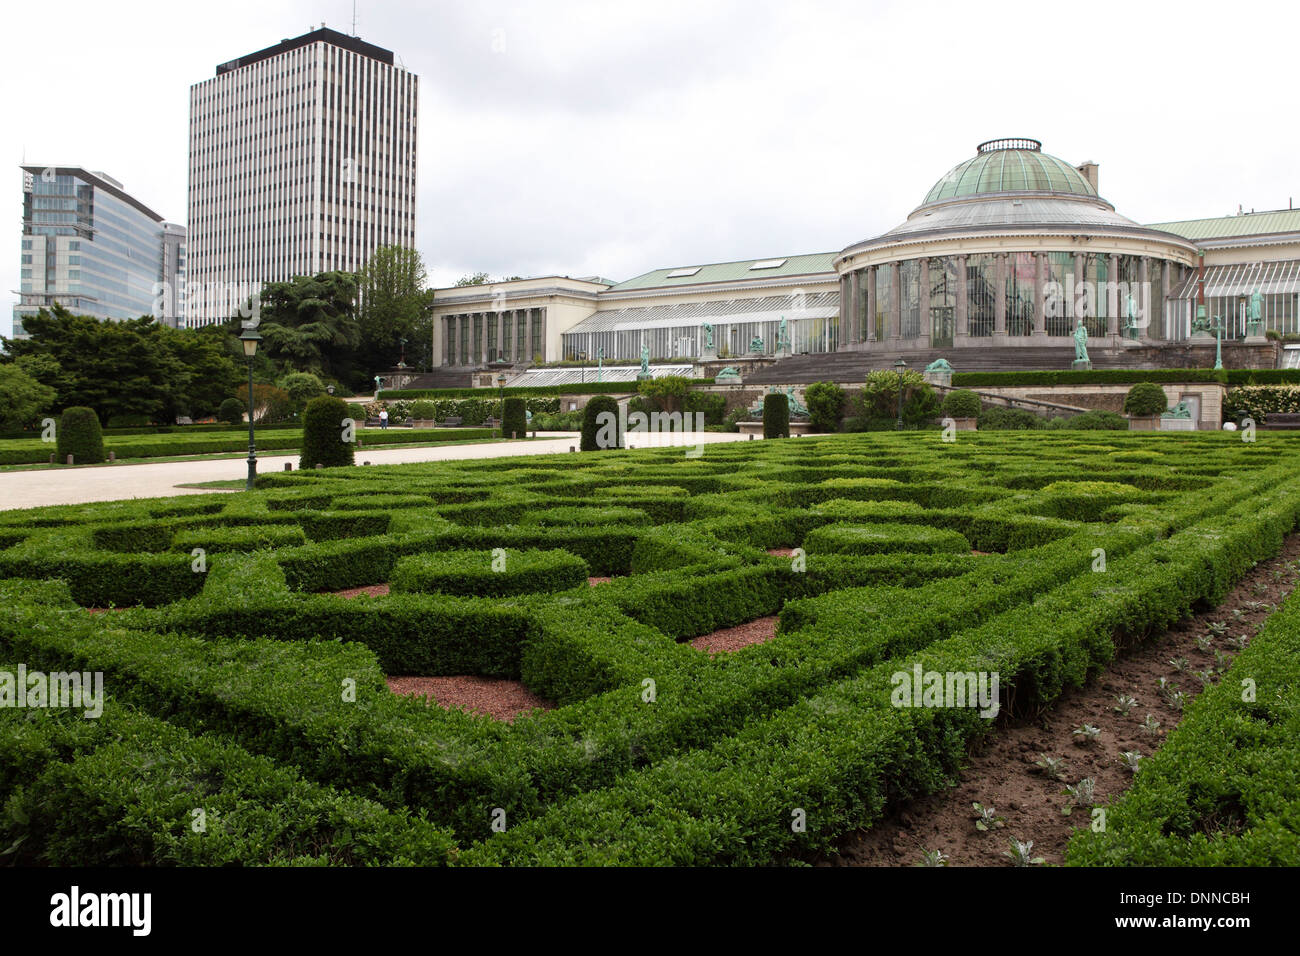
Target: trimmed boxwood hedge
x,y
488,574
885,537
514,421
608,775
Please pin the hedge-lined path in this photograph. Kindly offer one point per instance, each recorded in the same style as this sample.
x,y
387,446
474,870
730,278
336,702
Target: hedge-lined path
x,y
31,489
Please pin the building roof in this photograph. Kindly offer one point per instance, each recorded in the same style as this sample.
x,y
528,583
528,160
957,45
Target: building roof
x,y
1010,166
691,274
1231,227
323,35
99,181
769,308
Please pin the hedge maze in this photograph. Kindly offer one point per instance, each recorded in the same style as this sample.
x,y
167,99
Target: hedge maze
x,y
247,718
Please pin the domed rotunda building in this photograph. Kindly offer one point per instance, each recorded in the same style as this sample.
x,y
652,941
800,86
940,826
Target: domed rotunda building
x,y
1011,248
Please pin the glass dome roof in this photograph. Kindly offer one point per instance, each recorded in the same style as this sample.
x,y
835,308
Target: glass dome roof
x,y
1010,166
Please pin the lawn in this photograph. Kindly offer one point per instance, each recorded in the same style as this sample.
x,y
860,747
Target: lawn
x,y
572,597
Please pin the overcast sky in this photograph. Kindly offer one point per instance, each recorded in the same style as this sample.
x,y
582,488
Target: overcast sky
x,y
611,138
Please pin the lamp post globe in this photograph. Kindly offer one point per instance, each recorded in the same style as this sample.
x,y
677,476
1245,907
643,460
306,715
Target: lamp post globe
x,y
249,339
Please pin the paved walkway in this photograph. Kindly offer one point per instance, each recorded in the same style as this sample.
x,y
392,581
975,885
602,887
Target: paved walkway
x,y
56,486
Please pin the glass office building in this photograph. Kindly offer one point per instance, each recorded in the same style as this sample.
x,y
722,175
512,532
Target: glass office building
x,y
93,248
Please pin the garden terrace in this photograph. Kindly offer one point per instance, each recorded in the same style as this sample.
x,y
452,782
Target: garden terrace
x,y
979,555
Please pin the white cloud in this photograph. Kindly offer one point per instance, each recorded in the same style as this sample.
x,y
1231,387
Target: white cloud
x,y
581,137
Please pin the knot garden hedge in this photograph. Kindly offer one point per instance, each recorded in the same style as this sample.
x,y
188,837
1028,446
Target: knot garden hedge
x,y
241,692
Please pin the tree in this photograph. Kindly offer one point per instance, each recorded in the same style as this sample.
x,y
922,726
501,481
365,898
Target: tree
x,y
301,387
308,324
130,368
231,412
668,392
482,278
22,398
393,302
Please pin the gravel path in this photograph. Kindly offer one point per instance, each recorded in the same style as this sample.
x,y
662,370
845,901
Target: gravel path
x,y
734,638
57,486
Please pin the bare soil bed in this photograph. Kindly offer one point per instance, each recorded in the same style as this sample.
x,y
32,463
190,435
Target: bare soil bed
x,y
498,698
729,639
1003,774
371,590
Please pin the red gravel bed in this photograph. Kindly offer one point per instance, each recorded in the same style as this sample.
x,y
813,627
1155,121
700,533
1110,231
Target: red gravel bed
x,y
780,552
734,638
372,590
594,581
105,610
497,698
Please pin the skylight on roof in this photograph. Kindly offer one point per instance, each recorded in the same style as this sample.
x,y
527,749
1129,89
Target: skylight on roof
x,y
682,273
767,264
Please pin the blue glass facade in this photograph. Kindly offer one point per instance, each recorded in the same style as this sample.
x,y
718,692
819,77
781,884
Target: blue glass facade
x,y
92,248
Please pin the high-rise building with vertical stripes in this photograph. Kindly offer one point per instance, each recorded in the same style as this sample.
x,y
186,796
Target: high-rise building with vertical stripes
x,y
302,160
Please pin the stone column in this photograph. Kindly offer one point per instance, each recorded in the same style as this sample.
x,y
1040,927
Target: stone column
x,y
851,331
528,335
541,324
1000,297
501,333
895,307
846,304
962,332
448,355
924,299
1072,301
869,334
1145,291
1112,298
1167,320
1040,280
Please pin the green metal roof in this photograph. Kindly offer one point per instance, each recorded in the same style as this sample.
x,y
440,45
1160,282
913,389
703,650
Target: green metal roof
x,y
1228,227
1010,165
731,271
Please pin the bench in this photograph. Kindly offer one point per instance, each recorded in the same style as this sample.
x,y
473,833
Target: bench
x,y
1281,421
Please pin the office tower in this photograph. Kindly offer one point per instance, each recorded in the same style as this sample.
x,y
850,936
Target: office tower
x,y
302,160
90,246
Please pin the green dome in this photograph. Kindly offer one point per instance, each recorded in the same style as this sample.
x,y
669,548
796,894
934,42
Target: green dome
x,y
1010,166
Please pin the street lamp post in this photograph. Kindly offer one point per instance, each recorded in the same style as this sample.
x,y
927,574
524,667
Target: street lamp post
x,y
900,367
501,388
249,340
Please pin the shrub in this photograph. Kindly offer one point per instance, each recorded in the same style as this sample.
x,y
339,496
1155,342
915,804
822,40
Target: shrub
x,y
514,421
961,403
231,412
596,431
127,421
271,404
322,434
668,393
1145,398
424,410
1095,420
995,418
80,436
357,413
301,387
713,405
825,401
776,416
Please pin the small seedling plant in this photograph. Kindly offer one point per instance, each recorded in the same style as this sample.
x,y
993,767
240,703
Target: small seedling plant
x,y
1022,854
986,818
